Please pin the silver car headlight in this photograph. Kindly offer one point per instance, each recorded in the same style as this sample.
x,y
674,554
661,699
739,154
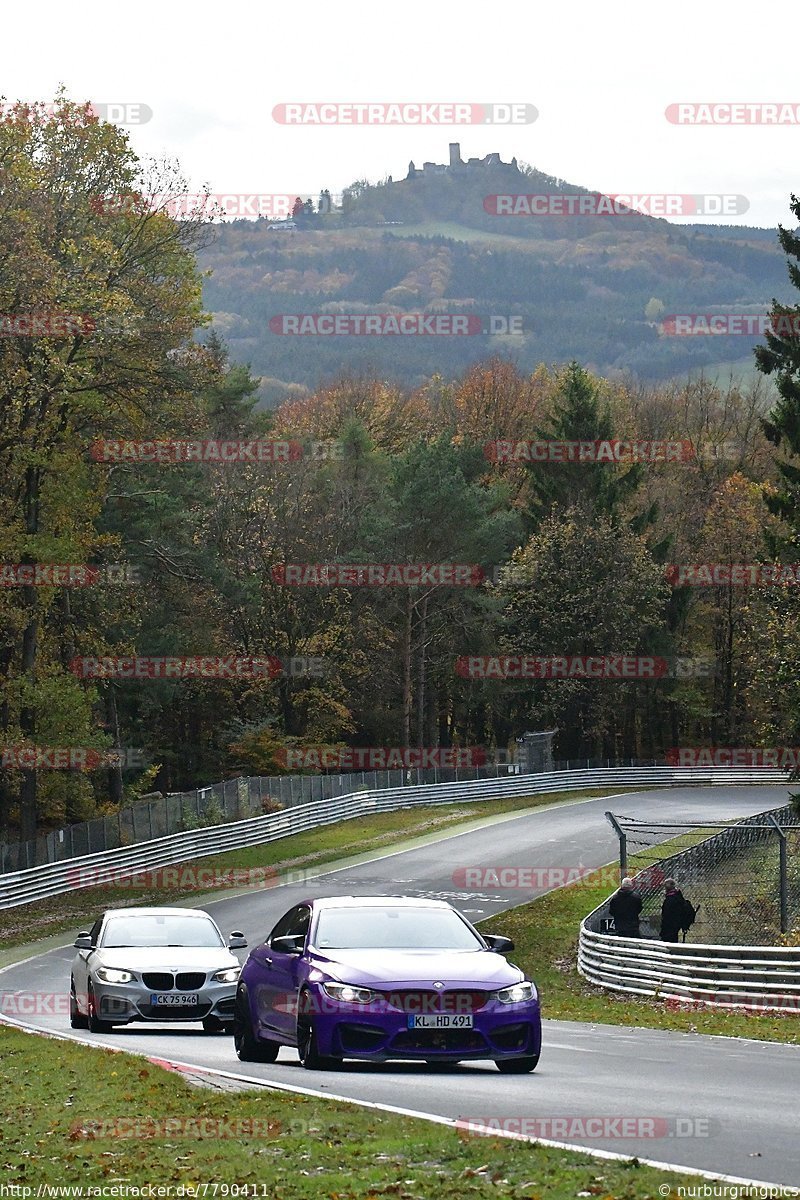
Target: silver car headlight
x,y
518,993
229,975
348,993
112,975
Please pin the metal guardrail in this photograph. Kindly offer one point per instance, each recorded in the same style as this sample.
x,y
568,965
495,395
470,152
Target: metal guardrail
x,y
244,797
239,799
757,977
53,879
723,976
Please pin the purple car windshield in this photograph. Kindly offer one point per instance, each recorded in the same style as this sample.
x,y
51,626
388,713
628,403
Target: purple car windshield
x,y
393,929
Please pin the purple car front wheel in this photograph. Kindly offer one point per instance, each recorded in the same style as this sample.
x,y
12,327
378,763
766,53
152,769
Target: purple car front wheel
x,y
248,1047
517,1066
307,1043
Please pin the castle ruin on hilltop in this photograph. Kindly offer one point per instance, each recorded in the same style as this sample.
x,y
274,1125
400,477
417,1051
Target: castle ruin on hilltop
x,y
456,164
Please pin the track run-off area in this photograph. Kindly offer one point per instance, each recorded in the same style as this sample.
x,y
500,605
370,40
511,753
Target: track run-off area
x,y
728,1106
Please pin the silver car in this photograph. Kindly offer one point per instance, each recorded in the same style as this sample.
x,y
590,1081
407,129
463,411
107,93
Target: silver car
x,y
154,964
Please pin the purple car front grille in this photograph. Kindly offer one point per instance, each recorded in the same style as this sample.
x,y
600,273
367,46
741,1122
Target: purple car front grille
x,y
447,1041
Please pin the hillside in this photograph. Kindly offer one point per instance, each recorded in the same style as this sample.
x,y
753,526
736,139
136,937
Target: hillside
x,y
577,286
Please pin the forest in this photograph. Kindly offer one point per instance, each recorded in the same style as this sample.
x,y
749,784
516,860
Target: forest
x,y
148,555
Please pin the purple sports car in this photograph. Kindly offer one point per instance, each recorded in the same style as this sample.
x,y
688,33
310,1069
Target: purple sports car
x,y
385,977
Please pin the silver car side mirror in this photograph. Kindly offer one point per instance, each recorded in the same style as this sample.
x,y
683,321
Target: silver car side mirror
x,y
83,941
237,941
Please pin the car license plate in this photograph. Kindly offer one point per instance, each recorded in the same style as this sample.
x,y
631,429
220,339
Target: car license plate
x,y
176,1000
440,1021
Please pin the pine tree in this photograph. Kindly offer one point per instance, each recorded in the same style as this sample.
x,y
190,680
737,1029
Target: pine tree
x,y
598,488
781,358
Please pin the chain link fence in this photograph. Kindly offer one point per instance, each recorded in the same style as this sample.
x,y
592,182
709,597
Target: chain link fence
x,y
744,879
239,799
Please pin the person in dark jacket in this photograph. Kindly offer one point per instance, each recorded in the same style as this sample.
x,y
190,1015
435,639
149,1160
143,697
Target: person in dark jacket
x,y
625,907
673,912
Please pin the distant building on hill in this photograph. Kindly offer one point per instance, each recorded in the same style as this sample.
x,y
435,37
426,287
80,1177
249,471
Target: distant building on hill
x,y
456,164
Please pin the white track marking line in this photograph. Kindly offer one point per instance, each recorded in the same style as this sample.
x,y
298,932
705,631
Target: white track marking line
x,y
432,1118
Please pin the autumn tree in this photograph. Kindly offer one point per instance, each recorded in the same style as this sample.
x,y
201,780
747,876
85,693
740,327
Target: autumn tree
x,y
492,400
582,588
124,282
435,510
733,533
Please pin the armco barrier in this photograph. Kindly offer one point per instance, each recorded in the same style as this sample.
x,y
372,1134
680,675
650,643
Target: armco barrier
x,y
722,976
53,879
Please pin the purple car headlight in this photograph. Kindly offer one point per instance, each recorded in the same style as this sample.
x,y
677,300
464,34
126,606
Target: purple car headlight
x,y
518,993
349,994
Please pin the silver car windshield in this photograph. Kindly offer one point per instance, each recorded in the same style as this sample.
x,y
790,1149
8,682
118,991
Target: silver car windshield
x,y
393,929
153,930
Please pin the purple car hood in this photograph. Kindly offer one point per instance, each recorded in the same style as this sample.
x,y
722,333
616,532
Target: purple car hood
x,y
419,967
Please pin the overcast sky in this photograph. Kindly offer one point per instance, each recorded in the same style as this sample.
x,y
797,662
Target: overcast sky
x,y
599,75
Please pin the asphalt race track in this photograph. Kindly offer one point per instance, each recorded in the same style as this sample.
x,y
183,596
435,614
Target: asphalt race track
x,y
742,1095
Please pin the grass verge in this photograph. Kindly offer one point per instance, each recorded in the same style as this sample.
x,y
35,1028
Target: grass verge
x,y
545,934
61,1100
328,844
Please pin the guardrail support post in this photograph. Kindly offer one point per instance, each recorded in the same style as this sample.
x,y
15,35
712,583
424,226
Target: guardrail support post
x,y
784,890
623,844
